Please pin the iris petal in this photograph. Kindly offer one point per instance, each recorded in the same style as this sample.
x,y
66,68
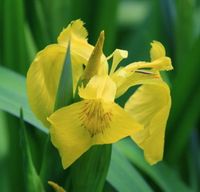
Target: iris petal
x,y
118,55
75,128
68,134
150,105
42,80
99,87
44,73
75,30
137,72
157,50
120,125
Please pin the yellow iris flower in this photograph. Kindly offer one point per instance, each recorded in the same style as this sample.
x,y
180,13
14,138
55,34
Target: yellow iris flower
x,y
96,118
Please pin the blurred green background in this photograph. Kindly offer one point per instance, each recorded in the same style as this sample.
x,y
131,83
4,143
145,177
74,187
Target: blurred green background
x,y
27,26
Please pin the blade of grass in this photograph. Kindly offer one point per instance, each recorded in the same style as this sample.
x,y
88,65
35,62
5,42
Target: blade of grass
x,y
37,23
14,48
31,178
169,16
106,20
184,29
92,168
64,97
184,93
77,11
4,151
193,161
188,122
165,177
13,96
1,31
15,56
64,94
123,176
187,66
56,16
31,46
137,38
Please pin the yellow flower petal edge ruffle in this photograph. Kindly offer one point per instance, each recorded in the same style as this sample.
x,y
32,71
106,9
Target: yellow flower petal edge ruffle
x,y
150,105
74,30
95,120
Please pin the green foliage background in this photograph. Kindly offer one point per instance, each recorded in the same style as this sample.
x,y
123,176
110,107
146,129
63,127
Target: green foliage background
x,y
27,26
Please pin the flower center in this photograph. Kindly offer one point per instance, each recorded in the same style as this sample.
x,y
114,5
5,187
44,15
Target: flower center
x,y
94,118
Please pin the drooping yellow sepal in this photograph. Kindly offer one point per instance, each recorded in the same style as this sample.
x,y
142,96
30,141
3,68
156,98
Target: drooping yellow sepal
x,y
150,105
89,122
95,120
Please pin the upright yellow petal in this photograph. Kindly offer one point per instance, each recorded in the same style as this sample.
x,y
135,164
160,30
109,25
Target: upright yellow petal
x,y
76,33
44,73
42,80
75,30
80,48
43,77
157,50
68,134
56,187
118,55
150,105
99,87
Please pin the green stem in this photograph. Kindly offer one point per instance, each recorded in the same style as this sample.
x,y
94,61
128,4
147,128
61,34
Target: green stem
x,y
88,173
51,168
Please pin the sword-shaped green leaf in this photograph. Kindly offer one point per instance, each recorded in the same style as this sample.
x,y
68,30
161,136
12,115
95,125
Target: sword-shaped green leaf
x,y
64,95
13,97
31,178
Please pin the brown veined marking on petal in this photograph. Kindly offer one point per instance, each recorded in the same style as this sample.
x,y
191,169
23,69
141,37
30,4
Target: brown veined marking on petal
x,y
146,72
94,118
